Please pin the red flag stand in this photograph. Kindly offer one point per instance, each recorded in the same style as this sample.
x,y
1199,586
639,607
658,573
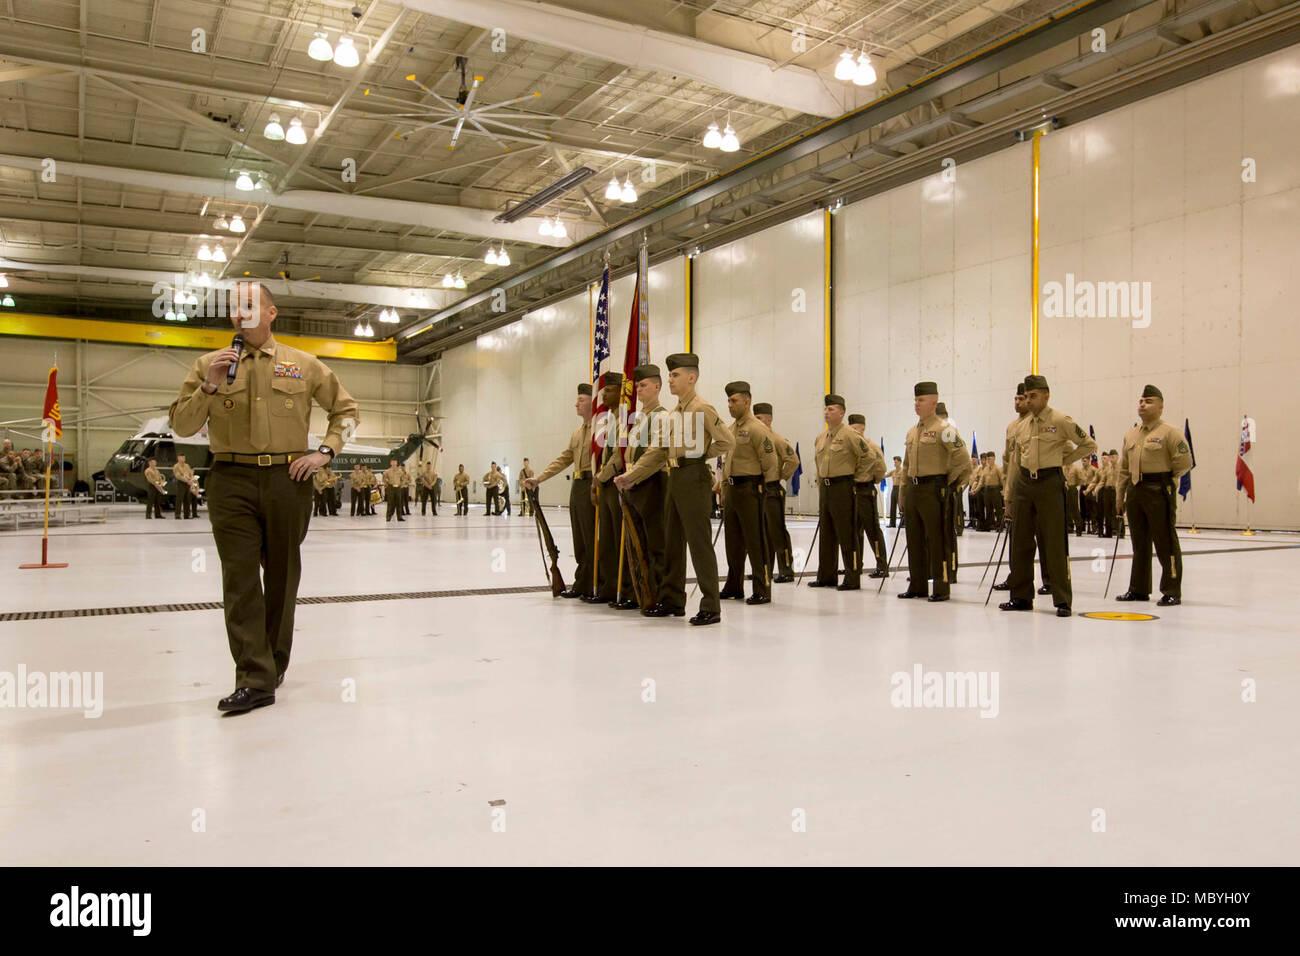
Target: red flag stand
x,y
45,539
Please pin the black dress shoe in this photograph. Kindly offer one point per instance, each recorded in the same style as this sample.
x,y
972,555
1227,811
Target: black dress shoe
x,y
1063,610
758,599
279,678
731,595
1169,601
1016,604
591,599
707,617
878,574
937,597
246,698
913,594
1133,596
627,604
570,593
660,610
814,583
783,579
848,587
1044,589
1004,586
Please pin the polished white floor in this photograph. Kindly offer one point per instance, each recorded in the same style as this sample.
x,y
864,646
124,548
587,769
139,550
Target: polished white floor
x,y
468,700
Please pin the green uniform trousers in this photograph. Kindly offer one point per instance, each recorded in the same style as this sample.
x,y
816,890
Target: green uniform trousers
x,y
745,536
869,523
1038,520
839,532
645,505
927,522
1151,506
611,538
259,517
780,552
582,520
686,526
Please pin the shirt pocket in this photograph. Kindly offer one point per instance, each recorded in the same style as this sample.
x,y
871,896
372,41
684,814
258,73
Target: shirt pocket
x,y
289,397
229,408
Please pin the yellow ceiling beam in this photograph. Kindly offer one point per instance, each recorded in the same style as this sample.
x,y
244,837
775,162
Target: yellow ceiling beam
x,y
179,335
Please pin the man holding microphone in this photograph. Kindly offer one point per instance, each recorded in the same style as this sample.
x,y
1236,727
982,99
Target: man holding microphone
x,y
255,398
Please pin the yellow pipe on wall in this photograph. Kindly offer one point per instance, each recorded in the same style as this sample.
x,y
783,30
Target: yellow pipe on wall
x,y
1033,292
826,301
687,313
181,336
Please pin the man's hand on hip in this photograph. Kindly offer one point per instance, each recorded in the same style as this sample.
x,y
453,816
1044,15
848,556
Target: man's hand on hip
x,y
303,468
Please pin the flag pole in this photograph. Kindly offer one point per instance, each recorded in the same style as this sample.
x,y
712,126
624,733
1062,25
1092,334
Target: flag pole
x,y
47,443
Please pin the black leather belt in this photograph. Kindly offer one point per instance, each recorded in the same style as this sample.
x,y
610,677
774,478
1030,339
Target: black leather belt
x,y
836,480
1157,476
260,461
578,476
864,484
745,479
928,479
684,462
1040,474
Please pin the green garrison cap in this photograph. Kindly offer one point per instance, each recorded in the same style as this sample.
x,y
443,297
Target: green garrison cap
x,y
1020,388
941,410
1152,392
1036,382
683,360
835,400
731,388
644,372
613,379
584,388
856,419
762,408
925,388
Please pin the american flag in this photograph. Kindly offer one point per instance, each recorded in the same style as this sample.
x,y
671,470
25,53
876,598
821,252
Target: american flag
x,y
599,356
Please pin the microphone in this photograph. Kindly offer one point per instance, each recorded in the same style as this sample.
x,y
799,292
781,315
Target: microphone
x,y
236,343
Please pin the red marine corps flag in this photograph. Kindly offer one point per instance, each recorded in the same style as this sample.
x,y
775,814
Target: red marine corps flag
x,y
51,413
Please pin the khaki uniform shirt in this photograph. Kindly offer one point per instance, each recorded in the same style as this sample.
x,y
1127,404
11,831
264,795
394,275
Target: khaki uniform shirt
x,y
935,448
394,477
877,467
494,479
460,481
612,456
754,452
642,433
1050,439
268,407
525,472
182,472
841,451
577,453
358,479
1077,474
154,477
318,480
693,418
789,459
1149,449
992,477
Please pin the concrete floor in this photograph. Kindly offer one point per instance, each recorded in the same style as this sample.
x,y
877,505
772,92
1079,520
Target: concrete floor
x,y
465,700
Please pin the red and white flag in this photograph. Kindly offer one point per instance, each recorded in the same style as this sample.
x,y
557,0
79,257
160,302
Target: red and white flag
x,y
1246,477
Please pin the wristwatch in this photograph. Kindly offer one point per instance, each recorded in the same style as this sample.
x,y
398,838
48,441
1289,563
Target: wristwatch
x,y
326,450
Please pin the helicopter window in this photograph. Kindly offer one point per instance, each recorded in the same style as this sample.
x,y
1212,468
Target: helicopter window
x,y
165,452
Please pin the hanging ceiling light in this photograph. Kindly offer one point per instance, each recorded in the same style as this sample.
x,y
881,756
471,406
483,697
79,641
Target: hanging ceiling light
x,y
613,191
544,228
218,254
865,74
203,279
222,223
370,332
274,131
713,139
447,281
237,224
490,257
629,193
358,331
320,48
245,182
296,134
729,141
846,66
192,299
205,254
345,54
460,280
503,257
558,230
4,283
390,316
7,302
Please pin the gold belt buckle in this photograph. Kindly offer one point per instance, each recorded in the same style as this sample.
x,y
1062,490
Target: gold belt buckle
x,y
672,462
264,461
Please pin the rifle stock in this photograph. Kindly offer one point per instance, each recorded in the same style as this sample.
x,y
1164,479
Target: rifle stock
x,y
548,545
638,567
